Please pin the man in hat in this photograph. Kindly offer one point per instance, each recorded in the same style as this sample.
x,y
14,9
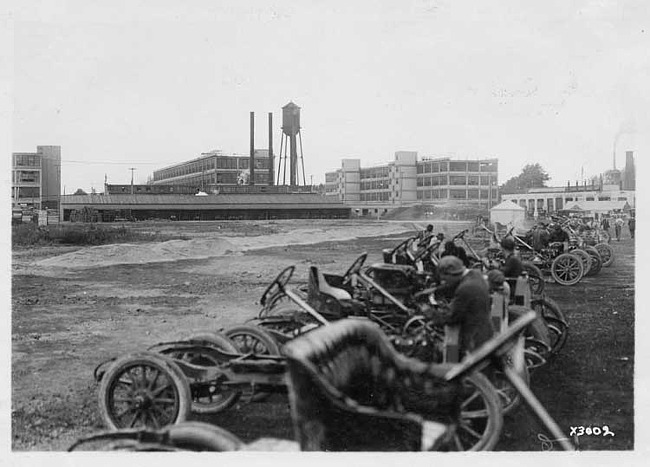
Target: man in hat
x,y
469,306
559,235
451,249
540,236
618,227
512,266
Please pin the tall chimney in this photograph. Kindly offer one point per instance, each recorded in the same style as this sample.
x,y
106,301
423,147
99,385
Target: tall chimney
x,y
271,162
251,180
629,172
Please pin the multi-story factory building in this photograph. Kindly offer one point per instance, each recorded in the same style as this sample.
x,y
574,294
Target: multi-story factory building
x,y
407,181
36,178
215,169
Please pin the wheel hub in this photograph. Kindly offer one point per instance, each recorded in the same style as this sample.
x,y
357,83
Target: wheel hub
x,y
142,400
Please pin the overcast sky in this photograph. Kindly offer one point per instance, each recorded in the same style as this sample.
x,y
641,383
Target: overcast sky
x,y
145,84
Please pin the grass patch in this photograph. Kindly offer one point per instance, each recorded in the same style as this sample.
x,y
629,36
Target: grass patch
x,y
27,235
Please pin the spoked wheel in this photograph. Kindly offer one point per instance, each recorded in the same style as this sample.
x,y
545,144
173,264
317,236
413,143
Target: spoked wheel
x,y
538,338
417,340
481,419
584,258
253,340
555,321
211,397
605,237
535,278
283,329
143,390
509,397
567,269
596,260
534,355
559,331
606,254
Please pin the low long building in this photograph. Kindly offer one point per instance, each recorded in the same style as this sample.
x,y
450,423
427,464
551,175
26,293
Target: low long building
x,y
593,198
252,206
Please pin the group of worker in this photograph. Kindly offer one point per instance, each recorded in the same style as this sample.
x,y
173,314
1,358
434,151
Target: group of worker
x,y
619,222
469,292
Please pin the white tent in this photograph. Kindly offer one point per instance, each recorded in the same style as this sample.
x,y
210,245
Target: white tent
x,y
507,213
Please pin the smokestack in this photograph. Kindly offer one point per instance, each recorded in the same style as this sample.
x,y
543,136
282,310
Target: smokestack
x,y
251,180
271,162
629,172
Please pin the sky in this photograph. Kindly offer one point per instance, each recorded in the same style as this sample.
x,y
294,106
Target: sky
x,y
145,84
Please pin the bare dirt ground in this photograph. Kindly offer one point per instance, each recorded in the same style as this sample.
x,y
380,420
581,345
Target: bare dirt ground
x,y
75,307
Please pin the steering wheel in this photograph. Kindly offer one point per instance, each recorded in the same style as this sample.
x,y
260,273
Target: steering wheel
x,y
461,234
404,245
424,241
278,284
355,268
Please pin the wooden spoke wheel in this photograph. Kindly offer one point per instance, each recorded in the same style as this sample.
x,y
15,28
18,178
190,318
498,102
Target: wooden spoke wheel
x,y
209,397
481,418
143,390
606,253
556,323
509,397
535,278
585,258
567,269
596,260
252,340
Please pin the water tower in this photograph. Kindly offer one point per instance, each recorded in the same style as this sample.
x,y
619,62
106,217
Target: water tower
x,y
291,130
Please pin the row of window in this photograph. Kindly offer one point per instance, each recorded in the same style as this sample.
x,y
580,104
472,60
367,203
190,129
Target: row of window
x,y
28,192
331,177
445,193
375,185
431,180
27,160
208,164
456,166
375,172
384,196
26,176
540,202
472,180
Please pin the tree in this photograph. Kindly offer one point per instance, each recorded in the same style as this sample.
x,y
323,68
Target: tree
x,y
531,176
80,192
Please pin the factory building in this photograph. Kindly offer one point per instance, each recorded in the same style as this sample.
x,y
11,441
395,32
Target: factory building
x,y
408,182
36,178
215,169
612,191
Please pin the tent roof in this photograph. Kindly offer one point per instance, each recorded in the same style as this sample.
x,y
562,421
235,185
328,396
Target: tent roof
x,y
507,205
600,206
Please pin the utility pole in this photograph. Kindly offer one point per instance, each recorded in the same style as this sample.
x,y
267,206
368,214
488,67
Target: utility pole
x,y
132,169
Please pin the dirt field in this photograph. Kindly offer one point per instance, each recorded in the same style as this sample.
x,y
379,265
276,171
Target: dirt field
x,y
73,308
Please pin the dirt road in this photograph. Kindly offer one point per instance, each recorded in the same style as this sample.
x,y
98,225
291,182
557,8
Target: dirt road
x,y
73,308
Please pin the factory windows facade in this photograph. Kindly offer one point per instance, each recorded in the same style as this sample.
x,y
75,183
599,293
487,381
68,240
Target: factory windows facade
x,y
36,178
215,169
407,181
